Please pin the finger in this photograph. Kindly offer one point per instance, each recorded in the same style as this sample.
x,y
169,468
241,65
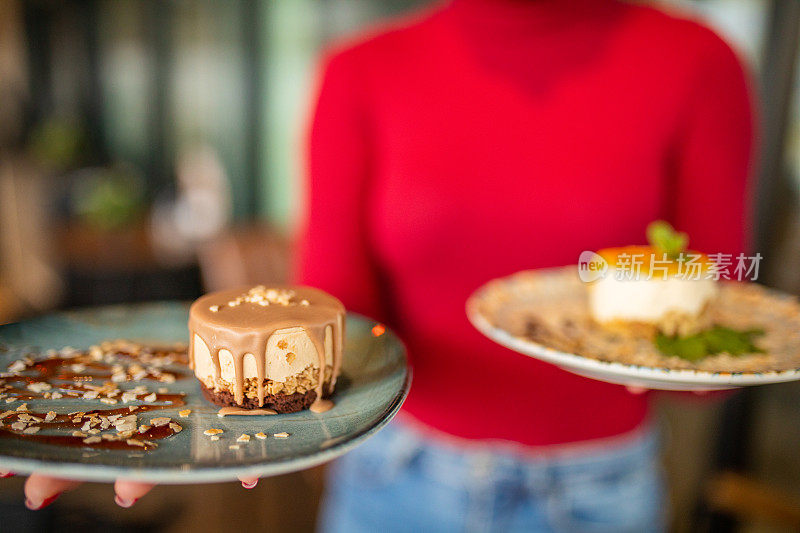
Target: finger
x,y
633,389
248,482
41,490
126,493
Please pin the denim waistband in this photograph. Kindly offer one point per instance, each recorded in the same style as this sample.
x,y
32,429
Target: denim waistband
x,y
453,464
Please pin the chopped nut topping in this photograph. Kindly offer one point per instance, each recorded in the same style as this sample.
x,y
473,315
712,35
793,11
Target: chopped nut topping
x,y
92,440
244,437
233,447
281,435
160,421
56,395
212,431
128,396
150,398
184,413
144,428
134,442
31,430
50,416
175,427
261,435
17,366
39,386
23,407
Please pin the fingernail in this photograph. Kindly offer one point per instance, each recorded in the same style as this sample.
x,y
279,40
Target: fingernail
x,y
6,474
124,503
33,506
249,485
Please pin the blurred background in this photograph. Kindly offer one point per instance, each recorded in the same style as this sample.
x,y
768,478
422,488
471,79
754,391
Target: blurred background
x,y
151,150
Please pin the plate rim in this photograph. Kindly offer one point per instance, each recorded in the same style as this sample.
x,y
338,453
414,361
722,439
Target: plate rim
x,y
177,475
617,369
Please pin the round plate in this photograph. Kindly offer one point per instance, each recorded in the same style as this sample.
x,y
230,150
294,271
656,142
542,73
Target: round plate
x,y
493,308
374,383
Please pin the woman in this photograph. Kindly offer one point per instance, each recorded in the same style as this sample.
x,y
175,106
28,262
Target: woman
x,y
482,138
487,137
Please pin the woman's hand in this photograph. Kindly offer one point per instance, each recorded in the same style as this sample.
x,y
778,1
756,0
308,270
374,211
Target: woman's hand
x,y
41,490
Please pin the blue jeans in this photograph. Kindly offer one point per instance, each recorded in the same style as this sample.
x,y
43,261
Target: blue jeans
x,y
401,481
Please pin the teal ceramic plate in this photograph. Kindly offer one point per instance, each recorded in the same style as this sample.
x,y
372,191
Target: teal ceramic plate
x,y
374,384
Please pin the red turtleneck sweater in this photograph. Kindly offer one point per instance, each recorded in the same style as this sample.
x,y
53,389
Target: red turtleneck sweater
x,y
491,136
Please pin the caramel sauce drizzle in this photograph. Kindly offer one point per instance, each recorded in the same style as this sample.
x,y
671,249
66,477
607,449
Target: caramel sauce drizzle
x,y
53,370
240,322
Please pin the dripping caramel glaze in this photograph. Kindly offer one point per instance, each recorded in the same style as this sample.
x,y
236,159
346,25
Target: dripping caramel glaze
x,y
245,328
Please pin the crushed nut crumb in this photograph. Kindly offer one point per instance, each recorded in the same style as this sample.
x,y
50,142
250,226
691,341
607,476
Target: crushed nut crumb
x,y
160,421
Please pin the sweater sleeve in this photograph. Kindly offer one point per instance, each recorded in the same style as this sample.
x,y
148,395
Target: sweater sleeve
x,y
710,196
333,252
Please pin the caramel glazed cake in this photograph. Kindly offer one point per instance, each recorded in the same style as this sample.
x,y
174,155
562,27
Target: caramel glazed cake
x,y
267,350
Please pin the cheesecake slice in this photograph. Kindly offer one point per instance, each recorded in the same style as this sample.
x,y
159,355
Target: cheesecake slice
x,y
276,348
661,287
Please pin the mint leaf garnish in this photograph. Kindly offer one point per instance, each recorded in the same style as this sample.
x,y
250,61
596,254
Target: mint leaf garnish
x,y
719,339
663,237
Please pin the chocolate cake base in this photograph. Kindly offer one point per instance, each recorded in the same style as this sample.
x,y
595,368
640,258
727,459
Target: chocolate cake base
x,y
281,403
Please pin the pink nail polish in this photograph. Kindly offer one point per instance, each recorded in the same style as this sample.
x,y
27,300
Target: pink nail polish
x,y
124,503
250,485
